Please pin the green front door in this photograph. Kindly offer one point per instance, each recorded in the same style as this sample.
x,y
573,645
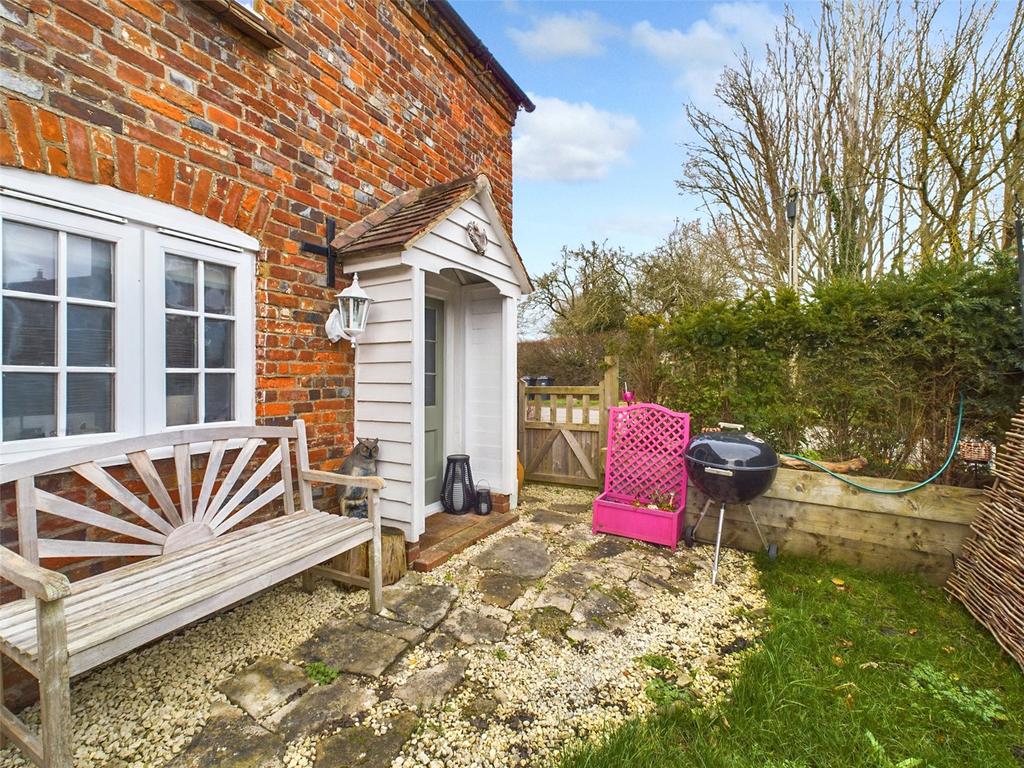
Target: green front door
x,y
433,400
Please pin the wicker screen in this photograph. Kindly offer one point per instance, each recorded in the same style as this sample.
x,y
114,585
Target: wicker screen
x,y
988,577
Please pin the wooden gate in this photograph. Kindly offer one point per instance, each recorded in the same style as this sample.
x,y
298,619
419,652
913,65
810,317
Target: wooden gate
x,y
563,430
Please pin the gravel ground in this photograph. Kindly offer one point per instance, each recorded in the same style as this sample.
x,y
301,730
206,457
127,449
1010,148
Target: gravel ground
x,y
523,698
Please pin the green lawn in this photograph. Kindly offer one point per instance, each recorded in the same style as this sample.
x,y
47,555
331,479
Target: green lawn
x,y
875,671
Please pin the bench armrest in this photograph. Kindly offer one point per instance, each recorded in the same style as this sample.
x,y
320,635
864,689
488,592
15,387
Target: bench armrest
x,y
39,582
316,476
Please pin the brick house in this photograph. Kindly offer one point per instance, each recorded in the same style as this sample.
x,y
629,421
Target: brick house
x,y
163,163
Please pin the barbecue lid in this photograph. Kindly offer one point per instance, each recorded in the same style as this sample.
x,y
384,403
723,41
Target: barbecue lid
x,y
732,450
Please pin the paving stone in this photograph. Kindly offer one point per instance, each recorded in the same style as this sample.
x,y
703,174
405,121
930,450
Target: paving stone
x,y
323,708
592,635
411,633
360,747
609,546
429,687
596,607
641,589
348,647
471,628
422,604
500,589
231,739
524,557
554,521
555,598
439,642
575,582
265,686
550,622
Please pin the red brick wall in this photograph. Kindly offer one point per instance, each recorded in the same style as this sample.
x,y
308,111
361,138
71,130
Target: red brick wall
x,y
166,100
161,98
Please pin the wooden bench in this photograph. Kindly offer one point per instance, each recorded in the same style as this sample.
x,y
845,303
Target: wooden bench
x,y
197,559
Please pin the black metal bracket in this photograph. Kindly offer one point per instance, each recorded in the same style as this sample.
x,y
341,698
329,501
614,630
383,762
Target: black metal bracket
x,y
326,250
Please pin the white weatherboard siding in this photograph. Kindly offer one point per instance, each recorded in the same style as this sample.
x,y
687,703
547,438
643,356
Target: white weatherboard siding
x,y
479,293
384,391
447,247
484,428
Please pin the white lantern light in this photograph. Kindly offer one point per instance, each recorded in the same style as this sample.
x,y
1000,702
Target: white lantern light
x,y
348,321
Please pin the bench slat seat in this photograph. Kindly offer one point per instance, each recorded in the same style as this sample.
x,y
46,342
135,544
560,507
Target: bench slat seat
x,y
111,613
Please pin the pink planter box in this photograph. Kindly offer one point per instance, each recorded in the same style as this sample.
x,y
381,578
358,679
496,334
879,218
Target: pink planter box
x,y
646,445
623,519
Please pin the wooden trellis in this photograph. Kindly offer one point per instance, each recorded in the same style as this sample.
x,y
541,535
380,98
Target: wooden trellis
x,y
989,575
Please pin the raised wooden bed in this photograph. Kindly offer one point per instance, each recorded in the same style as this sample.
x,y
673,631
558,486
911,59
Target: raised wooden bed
x,y
811,513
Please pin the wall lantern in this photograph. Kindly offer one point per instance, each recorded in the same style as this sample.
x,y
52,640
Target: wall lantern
x,y
348,321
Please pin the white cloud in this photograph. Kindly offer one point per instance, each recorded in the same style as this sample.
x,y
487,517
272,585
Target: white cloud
x,y
563,36
571,141
701,51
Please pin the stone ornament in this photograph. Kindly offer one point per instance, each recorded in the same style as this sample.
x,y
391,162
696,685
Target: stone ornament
x,y
477,237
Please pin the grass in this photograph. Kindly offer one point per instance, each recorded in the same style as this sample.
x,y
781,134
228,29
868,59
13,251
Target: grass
x,y
856,669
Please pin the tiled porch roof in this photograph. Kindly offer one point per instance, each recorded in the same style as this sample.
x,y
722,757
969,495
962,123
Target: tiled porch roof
x,y
395,225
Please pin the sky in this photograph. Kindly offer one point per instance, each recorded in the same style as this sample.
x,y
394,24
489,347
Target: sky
x,y
599,158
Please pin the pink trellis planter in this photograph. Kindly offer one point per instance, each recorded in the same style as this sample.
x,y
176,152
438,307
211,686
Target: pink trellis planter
x,y
646,443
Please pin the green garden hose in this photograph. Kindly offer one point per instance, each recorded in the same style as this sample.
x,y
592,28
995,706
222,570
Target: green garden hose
x,y
895,491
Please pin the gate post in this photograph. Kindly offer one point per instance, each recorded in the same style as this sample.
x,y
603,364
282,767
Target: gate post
x,y
609,398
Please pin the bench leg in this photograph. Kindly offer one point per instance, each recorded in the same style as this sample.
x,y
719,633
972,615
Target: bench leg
x,y
54,684
308,581
374,564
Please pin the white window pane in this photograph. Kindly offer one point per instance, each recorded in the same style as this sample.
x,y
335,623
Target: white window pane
x,y
180,282
90,268
90,403
29,405
29,258
182,398
220,399
29,332
217,281
90,336
220,343
181,342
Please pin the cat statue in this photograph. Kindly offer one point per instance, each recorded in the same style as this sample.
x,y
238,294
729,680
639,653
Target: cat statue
x,y
361,462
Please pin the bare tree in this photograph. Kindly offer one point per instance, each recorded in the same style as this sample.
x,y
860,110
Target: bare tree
x,y
903,143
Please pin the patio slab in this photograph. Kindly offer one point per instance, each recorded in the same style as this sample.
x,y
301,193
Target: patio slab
x,y
265,686
360,747
348,647
523,557
232,740
323,708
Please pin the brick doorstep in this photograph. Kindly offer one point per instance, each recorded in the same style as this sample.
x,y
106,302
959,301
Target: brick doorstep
x,y
437,554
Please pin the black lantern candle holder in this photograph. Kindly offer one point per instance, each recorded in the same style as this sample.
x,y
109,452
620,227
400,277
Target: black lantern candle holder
x,y
457,493
484,504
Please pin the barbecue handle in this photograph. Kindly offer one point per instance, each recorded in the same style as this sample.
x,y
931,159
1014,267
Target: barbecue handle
x,y
729,425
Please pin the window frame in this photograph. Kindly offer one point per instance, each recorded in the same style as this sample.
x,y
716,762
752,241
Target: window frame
x,y
145,230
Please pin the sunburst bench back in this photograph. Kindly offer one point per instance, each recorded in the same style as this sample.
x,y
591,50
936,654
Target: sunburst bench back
x,y
191,555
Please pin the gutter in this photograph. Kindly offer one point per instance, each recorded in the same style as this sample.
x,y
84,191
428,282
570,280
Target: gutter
x,y
478,49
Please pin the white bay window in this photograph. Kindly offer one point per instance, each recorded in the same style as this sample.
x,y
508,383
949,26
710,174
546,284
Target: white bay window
x,y
123,319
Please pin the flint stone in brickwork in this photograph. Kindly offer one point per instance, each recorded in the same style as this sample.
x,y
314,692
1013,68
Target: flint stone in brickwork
x,y
26,86
201,125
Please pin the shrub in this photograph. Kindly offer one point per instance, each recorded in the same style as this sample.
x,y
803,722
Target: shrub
x,y
869,369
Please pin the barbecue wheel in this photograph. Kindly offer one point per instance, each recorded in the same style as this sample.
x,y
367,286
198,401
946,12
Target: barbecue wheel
x,y
773,551
688,535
